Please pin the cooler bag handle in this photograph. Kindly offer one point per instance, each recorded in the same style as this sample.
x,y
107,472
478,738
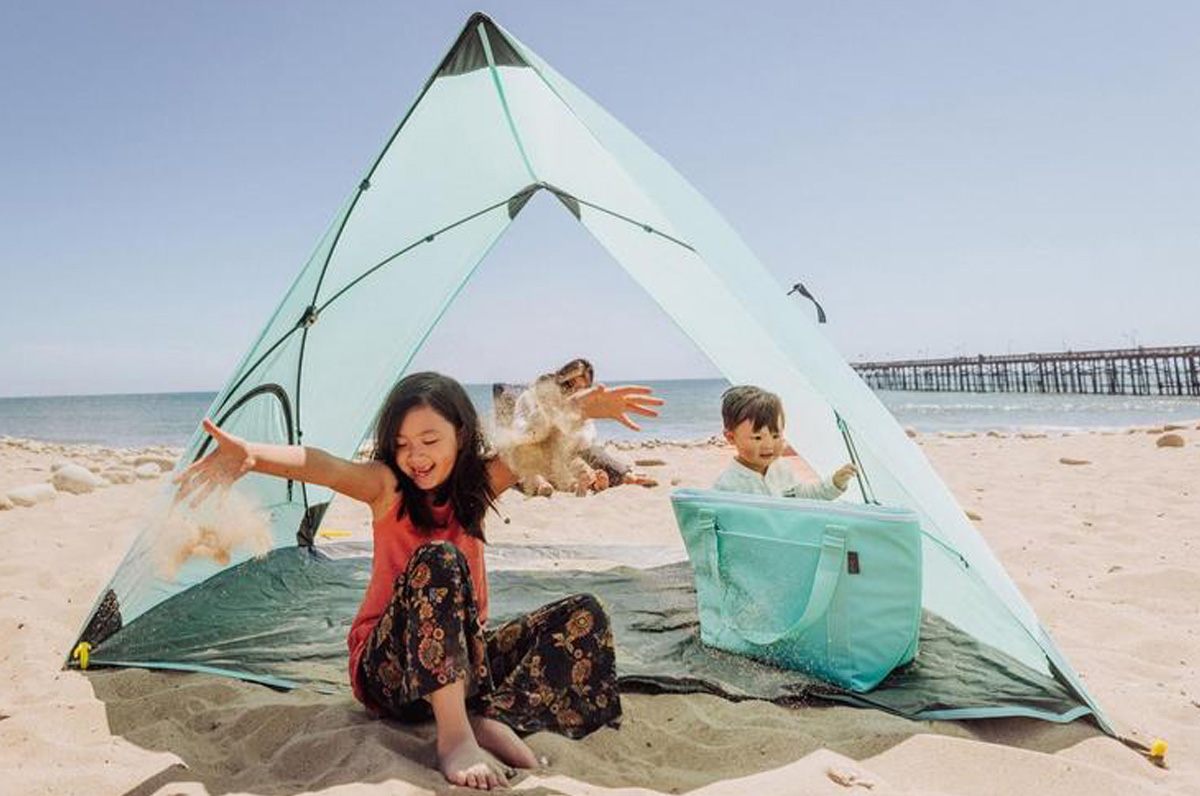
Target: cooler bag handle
x,y
706,522
825,581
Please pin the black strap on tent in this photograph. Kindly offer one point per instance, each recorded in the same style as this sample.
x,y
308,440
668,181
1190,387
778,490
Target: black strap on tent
x,y
803,291
864,483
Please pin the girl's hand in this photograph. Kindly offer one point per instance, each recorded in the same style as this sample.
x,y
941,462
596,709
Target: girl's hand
x,y
600,402
230,461
841,479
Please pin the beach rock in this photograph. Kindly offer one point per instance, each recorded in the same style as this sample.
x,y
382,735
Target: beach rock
x,y
147,471
1155,430
162,462
648,462
119,475
910,431
957,434
32,494
1173,427
1169,441
1032,435
5,503
997,435
76,479
1069,460
973,516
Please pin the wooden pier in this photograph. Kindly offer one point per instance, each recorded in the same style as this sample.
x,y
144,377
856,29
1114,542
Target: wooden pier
x,y
1130,371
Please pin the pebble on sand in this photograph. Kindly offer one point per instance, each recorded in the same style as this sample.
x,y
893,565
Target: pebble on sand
x,y
147,471
119,475
1069,460
911,432
76,479
5,503
32,494
1169,441
164,463
973,516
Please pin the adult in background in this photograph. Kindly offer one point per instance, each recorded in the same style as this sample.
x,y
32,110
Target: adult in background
x,y
537,413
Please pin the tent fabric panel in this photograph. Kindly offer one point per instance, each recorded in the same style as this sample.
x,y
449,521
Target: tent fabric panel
x,y
454,156
726,331
364,340
565,155
279,331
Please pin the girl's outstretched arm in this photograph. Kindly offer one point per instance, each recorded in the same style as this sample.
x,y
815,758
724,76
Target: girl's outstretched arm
x,y
234,457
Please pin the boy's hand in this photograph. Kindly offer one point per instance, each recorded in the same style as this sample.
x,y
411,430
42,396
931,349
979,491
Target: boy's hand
x,y
841,479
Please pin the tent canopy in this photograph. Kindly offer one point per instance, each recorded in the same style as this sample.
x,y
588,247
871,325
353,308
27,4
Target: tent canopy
x,y
493,126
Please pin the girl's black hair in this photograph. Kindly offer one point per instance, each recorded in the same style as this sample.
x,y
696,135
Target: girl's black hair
x,y
467,488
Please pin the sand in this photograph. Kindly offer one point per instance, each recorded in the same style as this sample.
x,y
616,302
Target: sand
x,y
1107,553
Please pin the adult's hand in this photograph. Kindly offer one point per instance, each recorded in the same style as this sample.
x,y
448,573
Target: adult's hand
x,y
230,461
616,403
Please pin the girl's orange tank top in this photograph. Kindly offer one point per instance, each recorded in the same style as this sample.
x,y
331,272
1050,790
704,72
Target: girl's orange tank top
x,y
395,542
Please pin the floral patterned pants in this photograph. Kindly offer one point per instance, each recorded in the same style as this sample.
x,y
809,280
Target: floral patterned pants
x,y
551,670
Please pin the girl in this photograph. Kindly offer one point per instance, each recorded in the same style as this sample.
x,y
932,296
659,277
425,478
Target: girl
x,y
418,645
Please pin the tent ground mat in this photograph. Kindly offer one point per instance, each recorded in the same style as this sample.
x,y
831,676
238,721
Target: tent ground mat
x,y
282,620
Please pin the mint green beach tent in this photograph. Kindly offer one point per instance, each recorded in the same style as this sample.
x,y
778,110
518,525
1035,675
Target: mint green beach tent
x,y
492,127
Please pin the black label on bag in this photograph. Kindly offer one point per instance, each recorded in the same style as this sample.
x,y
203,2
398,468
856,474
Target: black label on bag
x,y
852,562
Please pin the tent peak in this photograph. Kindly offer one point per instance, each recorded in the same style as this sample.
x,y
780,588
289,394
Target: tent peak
x,y
469,52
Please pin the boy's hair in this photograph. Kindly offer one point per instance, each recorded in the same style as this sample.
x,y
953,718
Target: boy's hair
x,y
467,487
747,402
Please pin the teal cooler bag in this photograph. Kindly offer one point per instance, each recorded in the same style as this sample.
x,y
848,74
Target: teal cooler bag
x,y
830,589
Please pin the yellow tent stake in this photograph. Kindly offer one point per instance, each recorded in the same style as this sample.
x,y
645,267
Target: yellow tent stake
x,y
81,652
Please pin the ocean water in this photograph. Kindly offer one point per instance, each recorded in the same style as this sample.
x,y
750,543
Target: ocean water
x,y
692,412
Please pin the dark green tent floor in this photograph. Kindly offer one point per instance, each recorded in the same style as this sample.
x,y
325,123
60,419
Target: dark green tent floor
x,y
283,620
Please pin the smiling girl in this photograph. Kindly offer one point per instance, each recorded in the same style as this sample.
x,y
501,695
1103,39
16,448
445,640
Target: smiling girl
x,y
419,645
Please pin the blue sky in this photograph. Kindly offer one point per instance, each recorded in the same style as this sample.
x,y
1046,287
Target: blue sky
x,y
946,177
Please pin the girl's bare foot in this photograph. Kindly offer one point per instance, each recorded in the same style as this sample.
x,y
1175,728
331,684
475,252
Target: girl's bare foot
x,y
542,487
499,739
463,762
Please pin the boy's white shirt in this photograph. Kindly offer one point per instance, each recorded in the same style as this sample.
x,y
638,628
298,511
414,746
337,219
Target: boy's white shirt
x,y
779,481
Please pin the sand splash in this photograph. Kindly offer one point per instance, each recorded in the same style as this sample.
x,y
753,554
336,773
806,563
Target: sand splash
x,y
544,442
220,526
